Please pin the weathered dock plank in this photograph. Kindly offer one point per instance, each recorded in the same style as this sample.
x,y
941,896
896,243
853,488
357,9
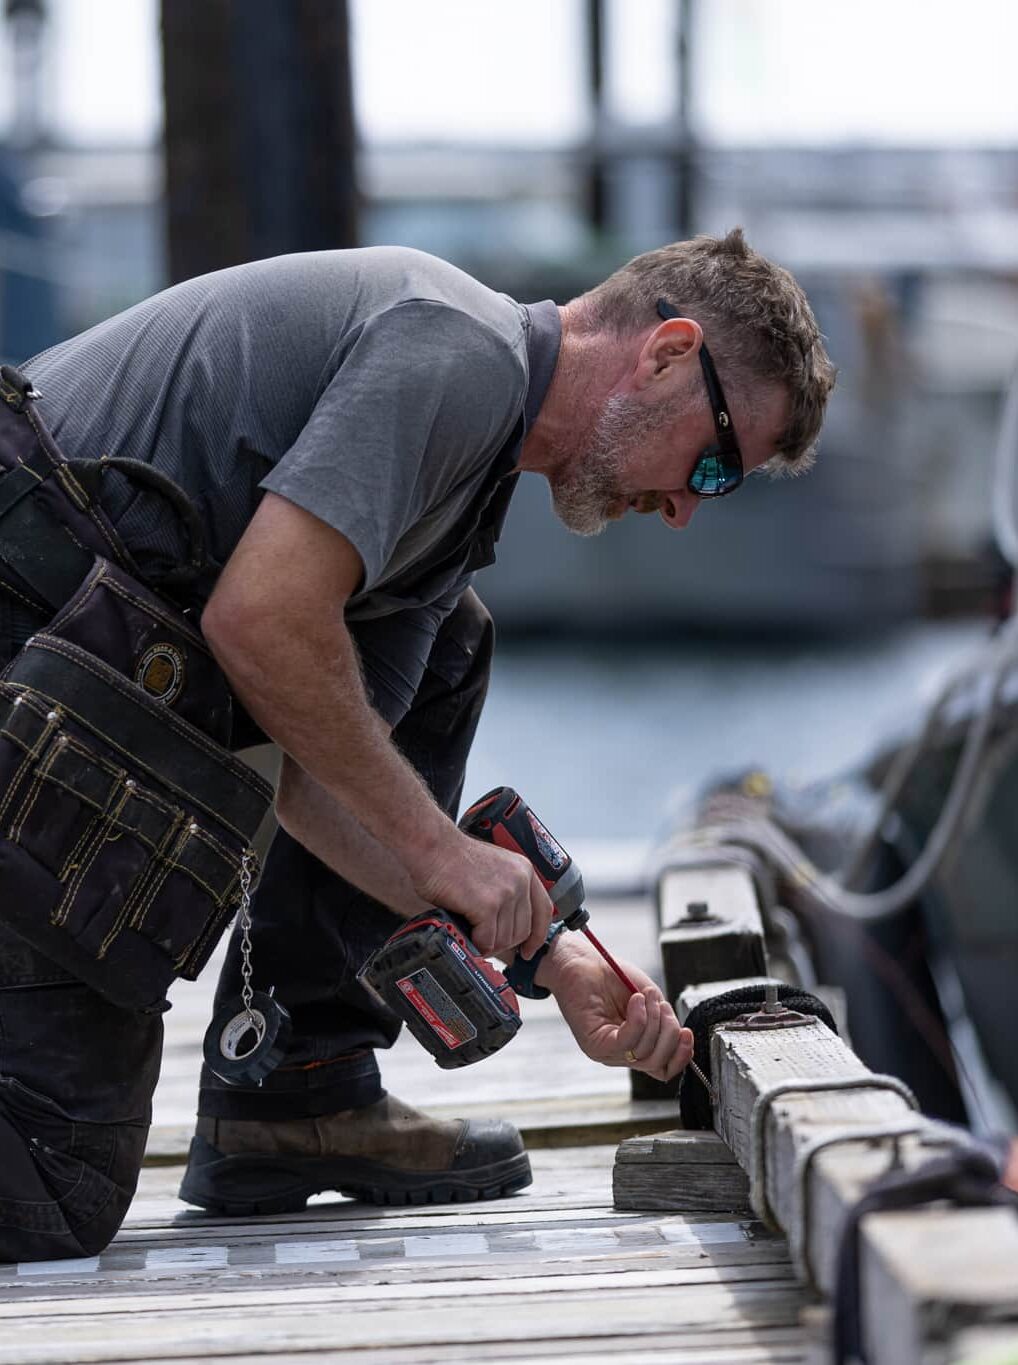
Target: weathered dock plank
x,y
458,1315
348,1281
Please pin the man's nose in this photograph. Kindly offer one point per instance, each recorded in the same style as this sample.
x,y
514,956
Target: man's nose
x,y
678,508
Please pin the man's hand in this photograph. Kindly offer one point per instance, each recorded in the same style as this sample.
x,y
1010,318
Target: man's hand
x,y
497,890
611,1026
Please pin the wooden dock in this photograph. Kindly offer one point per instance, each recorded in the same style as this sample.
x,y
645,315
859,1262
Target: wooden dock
x,y
553,1273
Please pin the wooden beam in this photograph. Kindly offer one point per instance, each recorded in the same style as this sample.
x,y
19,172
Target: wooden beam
x,y
711,927
965,1269
923,1264
722,936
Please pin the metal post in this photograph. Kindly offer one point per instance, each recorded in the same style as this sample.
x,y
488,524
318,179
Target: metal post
x,y
596,189
26,21
685,161
259,130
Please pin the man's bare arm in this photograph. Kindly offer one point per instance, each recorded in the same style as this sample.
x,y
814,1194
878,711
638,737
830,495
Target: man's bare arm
x,y
317,820
275,624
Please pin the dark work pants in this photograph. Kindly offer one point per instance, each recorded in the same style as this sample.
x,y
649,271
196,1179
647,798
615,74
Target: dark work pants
x,y
77,1073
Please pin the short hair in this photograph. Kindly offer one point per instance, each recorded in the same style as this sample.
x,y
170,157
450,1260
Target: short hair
x,y
755,317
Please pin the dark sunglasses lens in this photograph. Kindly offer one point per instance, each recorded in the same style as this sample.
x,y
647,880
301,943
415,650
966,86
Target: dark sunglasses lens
x,y
715,474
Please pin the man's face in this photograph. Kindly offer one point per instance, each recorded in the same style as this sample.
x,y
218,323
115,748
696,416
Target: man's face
x,y
640,451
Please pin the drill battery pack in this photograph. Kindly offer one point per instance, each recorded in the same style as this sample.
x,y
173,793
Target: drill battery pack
x,y
454,1001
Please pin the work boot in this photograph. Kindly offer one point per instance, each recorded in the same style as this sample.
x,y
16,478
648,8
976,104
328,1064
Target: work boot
x,y
385,1153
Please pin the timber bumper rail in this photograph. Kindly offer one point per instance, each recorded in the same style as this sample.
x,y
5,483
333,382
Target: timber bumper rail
x,y
815,1131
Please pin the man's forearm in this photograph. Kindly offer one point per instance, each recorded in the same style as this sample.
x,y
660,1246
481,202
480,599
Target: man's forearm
x,y
275,623
316,820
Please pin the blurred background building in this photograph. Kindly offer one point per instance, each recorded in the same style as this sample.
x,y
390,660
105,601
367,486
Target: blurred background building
x,y
872,148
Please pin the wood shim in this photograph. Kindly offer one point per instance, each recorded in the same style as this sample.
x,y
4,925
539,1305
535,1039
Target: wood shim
x,y
688,1172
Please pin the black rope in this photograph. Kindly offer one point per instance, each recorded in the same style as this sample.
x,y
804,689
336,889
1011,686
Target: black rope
x,y
968,1177
694,1101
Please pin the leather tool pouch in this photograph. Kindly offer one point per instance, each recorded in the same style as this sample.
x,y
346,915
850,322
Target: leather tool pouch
x,y
124,821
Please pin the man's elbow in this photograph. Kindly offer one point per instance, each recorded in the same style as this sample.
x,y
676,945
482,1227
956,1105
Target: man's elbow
x,y
291,797
231,627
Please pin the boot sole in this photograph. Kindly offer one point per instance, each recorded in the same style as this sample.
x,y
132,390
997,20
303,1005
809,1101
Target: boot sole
x,y
242,1186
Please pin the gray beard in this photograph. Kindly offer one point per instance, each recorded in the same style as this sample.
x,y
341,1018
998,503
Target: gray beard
x,y
592,479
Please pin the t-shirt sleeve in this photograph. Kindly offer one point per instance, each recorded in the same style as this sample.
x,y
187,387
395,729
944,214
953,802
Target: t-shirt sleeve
x,y
394,651
421,397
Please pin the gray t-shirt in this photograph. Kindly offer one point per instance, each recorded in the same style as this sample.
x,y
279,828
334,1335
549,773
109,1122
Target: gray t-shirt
x,y
381,389
374,388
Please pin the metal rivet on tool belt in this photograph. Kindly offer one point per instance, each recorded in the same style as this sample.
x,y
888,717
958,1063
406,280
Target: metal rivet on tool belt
x,y
130,784
52,715
192,828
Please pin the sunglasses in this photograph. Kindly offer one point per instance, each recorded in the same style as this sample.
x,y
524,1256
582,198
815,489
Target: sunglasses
x,y
718,471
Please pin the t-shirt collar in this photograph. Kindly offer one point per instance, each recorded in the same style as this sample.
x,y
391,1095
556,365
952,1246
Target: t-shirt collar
x,y
543,342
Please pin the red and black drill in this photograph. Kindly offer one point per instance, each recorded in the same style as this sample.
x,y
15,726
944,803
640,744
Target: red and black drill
x,y
455,1002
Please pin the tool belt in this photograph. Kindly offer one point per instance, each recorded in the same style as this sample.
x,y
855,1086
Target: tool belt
x,y
125,822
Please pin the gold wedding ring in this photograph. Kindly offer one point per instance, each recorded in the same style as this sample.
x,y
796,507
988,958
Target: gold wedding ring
x,y
630,1055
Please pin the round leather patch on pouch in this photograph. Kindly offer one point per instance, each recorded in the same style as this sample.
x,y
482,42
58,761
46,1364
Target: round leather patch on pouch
x,y
160,672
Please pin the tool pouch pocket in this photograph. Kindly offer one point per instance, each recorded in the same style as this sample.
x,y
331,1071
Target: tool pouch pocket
x,y
124,822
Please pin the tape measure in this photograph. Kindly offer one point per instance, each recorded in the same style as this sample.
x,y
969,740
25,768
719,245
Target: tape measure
x,y
245,1042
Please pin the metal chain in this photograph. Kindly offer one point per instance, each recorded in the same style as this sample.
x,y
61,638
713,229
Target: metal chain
x,y
247,994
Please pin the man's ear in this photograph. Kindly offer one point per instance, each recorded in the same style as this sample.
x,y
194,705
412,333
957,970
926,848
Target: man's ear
x,y
671,344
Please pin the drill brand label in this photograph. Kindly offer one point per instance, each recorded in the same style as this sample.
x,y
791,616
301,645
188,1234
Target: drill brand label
x,y
437,1009
551,852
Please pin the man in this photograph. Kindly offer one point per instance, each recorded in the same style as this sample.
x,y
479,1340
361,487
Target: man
x,y
349,426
